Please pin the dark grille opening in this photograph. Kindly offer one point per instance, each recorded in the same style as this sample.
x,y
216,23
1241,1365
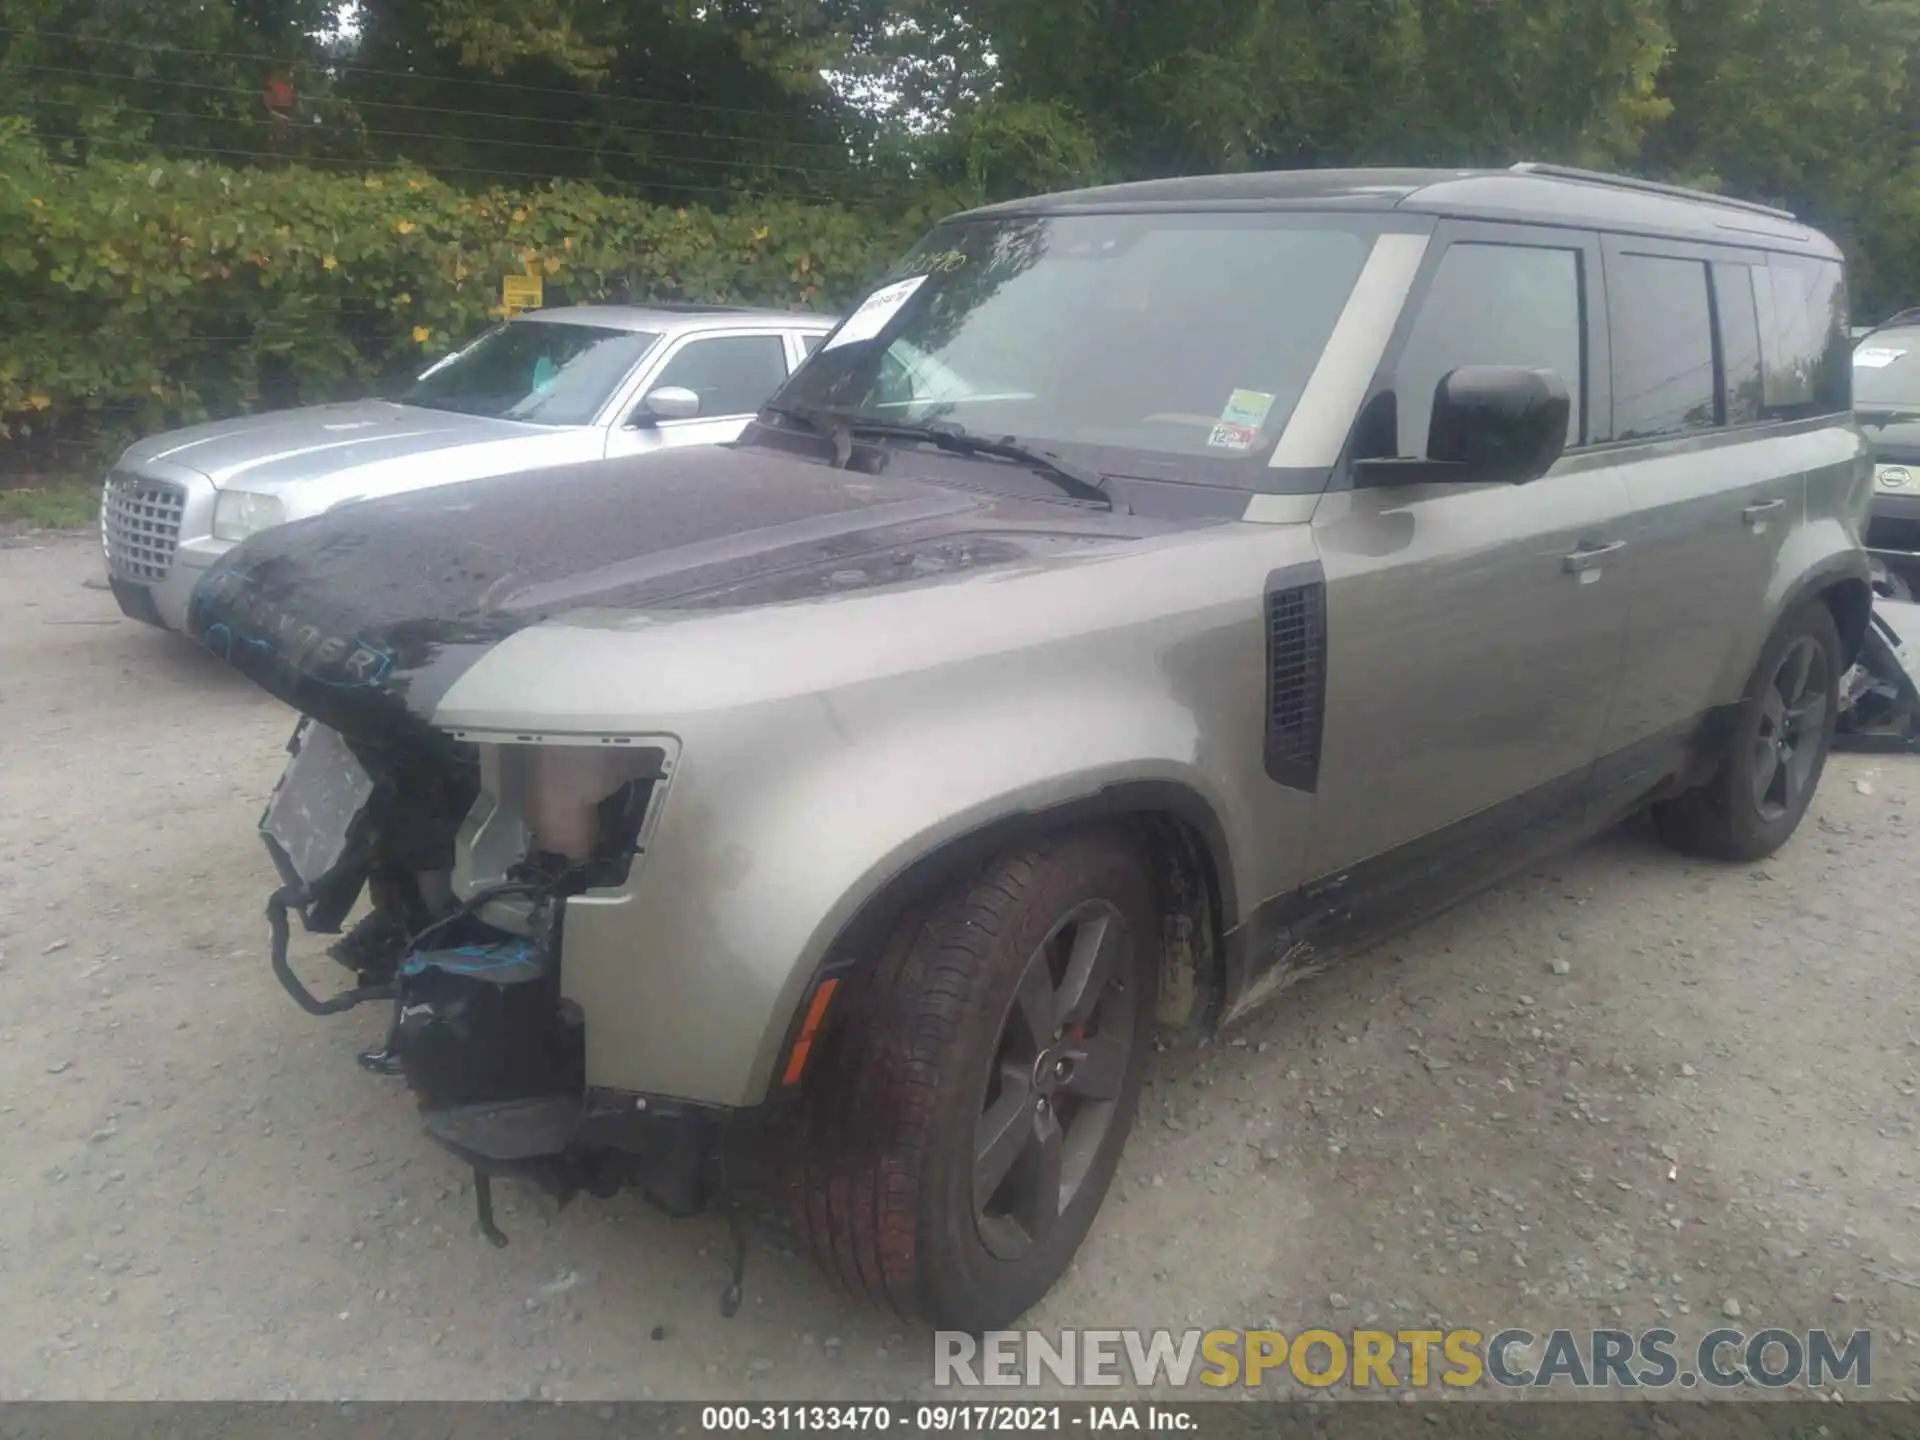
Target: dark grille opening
x,y
1886,533
1296,683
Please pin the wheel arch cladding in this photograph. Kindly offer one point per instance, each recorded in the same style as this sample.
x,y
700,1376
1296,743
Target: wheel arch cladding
x,y
1178,832
1814,558
1851,602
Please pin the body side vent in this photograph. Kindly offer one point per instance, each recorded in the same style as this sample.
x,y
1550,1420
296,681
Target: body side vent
x,y
1296,618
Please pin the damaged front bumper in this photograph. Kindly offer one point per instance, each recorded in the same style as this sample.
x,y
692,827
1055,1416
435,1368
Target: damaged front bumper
x,y
470,857
1880,694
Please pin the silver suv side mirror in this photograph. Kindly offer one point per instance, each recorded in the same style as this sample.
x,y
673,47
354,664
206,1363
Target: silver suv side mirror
x,y
669,402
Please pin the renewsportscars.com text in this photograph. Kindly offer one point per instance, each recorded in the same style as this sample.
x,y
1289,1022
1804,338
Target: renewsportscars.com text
x,y
1658,1359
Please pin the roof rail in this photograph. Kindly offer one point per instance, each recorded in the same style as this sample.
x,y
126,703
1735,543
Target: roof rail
x,y
1652,187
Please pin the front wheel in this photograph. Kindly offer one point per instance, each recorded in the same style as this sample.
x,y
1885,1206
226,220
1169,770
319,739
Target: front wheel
x,y
1781,737
971,1114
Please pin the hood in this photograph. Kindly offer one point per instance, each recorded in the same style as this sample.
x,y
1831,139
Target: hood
x,y
363,618
367,446
1896,442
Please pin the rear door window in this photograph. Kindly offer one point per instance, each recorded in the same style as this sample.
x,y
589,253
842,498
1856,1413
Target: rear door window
x,y
1661,329
1492,305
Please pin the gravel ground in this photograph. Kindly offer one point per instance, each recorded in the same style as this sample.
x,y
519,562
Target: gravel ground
x,y
1624,1089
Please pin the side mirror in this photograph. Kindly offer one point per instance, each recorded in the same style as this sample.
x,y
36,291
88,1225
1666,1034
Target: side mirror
x,y
1498,423
669,402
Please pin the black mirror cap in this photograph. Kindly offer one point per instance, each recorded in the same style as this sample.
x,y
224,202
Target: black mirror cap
x,y
1499,423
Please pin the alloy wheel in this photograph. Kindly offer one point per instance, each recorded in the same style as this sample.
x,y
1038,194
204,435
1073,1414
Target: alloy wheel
x,y
1793,723
1064,1051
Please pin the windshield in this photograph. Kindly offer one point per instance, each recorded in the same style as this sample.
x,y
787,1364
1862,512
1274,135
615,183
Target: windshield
x,y
1886,371
1184,339
541,371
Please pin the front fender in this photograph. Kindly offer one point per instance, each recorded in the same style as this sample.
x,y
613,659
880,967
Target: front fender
x,y
1079,782
690,978
826,746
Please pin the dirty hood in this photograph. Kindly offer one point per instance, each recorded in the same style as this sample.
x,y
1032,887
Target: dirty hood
x,y
364,617
285,451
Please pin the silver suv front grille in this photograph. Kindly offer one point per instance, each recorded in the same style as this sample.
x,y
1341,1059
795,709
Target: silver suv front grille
x,y
140,521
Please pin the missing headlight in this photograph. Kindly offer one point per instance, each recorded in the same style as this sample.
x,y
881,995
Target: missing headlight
x,y
573,813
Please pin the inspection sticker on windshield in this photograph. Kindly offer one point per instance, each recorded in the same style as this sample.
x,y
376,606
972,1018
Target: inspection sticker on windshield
x,y
1247,409
1876,358
874,312
1233,437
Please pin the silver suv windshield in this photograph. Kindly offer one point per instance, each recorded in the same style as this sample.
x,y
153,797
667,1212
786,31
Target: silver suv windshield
x,y
1886,371
541,371
1166,337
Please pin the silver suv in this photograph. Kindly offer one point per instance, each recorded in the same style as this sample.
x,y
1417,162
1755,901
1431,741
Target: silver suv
x,y
549,388
1146,597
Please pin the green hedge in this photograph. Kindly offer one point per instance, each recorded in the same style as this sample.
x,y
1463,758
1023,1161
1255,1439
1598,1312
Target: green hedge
x,y
135,297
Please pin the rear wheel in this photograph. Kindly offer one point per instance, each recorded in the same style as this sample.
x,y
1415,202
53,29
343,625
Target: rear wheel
x,y
967,1123
1781,737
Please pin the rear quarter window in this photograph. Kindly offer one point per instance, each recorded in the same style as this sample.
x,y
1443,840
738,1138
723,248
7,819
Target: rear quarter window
x,y
1806,353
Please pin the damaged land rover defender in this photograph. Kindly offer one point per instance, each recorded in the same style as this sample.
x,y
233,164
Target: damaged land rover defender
x,y
1145,597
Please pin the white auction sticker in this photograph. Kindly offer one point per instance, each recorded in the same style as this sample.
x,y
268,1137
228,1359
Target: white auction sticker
x,y
874,312
1876,358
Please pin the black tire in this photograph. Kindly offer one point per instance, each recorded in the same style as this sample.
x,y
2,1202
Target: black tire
x,y
1778,749
927,1063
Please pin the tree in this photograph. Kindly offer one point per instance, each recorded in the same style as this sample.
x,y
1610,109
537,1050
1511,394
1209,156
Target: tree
x,y
123,78
664,97
901,104
1811,103
653,95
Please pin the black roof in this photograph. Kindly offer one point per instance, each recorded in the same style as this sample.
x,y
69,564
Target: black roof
x,y
1536,194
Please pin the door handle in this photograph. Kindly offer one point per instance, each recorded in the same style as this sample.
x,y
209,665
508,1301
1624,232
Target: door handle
x,y
1754,514
1583,560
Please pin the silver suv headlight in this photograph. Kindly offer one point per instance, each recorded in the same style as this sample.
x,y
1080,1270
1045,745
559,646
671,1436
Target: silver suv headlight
x,y
240,513
1892,477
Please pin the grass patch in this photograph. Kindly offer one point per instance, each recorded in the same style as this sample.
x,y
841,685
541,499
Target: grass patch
x,y
62,506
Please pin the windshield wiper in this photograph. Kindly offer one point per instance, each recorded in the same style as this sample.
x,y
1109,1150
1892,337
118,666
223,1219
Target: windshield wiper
x,y
840,426
1081,484
1886,414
